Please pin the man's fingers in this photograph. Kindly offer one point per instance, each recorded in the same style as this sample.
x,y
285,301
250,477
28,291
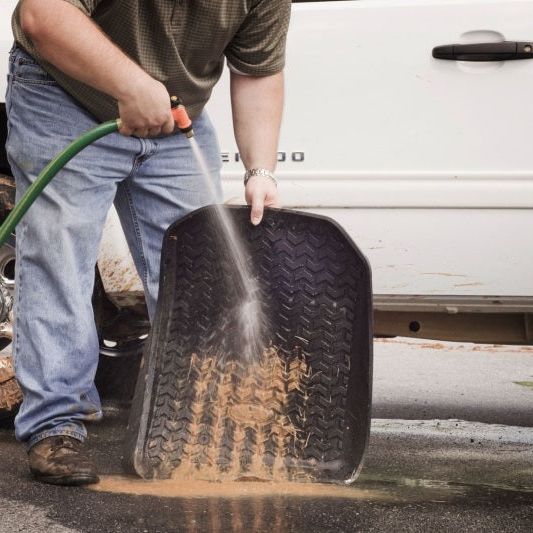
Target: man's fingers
x,y
124,130
141,132
273,199
154,132
257,209
168,126
260,194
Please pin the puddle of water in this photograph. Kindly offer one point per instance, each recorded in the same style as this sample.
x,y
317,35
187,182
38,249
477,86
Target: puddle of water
x,y
420,489
233,489
280,507
369,489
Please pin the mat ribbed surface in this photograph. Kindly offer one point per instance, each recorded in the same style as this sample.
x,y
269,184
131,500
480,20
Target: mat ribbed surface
x,y
300,411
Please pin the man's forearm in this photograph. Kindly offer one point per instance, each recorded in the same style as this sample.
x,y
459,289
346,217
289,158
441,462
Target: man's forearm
x,y
257,104
69,40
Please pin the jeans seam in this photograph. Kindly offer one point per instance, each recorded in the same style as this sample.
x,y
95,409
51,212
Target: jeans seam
x,y
35,439
9,88
154,148
28,81
8,100
137,229
24,61
16,343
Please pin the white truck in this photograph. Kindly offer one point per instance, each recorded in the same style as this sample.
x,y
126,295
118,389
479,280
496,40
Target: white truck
x,y
426,161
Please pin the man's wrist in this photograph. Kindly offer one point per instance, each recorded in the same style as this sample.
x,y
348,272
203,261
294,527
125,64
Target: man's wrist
x,y
262,172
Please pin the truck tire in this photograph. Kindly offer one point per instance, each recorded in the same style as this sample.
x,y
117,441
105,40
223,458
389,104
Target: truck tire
x,y
10,394
122,332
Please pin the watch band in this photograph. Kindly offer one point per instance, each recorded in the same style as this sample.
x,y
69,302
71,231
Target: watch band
x,y
263,172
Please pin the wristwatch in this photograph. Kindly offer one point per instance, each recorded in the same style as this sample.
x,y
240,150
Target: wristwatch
x,y
263,172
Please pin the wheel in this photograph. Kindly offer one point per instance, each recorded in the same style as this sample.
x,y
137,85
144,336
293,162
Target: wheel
x,y
122,348
122,331
10,394
7,290
118,368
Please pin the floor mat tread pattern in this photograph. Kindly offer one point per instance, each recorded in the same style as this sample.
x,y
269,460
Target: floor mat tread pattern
x,y
301,411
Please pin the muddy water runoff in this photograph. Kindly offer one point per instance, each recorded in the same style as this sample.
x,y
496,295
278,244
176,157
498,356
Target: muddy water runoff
x,y
249,314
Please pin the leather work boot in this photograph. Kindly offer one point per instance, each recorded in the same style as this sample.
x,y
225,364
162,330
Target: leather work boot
x,y
60,460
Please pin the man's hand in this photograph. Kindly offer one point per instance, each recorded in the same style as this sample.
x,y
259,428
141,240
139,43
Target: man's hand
x,y
257,103
261,192
145,111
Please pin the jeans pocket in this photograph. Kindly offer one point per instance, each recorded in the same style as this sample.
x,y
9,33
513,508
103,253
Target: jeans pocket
x,y
26,70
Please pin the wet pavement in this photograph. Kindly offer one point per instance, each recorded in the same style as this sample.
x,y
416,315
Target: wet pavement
x,y
428,474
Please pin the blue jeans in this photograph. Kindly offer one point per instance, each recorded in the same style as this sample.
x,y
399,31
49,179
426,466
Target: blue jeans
x,y
152,183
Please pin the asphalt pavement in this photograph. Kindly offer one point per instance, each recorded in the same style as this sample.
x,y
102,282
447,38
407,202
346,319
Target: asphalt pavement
x,y
450,450
416,379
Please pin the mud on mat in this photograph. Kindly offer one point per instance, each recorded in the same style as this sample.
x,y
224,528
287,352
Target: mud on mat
x,y
300,410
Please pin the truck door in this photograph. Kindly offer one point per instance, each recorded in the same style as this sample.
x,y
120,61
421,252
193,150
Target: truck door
x,y
426,162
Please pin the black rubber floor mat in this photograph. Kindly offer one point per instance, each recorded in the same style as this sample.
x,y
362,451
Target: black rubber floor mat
x,y
301,410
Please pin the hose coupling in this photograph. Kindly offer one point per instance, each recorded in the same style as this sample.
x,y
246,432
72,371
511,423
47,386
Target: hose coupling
x,y
181,117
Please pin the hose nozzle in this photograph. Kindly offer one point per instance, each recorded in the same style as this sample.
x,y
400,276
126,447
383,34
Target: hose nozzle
x,y
181,118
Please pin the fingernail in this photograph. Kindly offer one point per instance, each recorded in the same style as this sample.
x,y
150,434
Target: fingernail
x,y
255,220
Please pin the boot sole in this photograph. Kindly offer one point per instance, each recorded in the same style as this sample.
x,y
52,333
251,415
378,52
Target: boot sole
x,y
69,481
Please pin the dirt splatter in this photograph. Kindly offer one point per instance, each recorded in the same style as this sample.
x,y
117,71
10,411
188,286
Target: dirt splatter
x,y
451,346
433,346
240,426
250,414
7,193
118,275
10,393
6,368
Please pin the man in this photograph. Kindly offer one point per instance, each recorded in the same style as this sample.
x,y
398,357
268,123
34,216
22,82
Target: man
x,y
79,62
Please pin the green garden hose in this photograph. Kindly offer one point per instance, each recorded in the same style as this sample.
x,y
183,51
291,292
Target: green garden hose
x,y
7,228
181,119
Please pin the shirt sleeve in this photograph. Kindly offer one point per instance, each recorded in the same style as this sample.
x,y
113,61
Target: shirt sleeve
x,y
87,6
258,47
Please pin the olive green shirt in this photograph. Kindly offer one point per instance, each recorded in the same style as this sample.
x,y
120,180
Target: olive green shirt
x,y
181,43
